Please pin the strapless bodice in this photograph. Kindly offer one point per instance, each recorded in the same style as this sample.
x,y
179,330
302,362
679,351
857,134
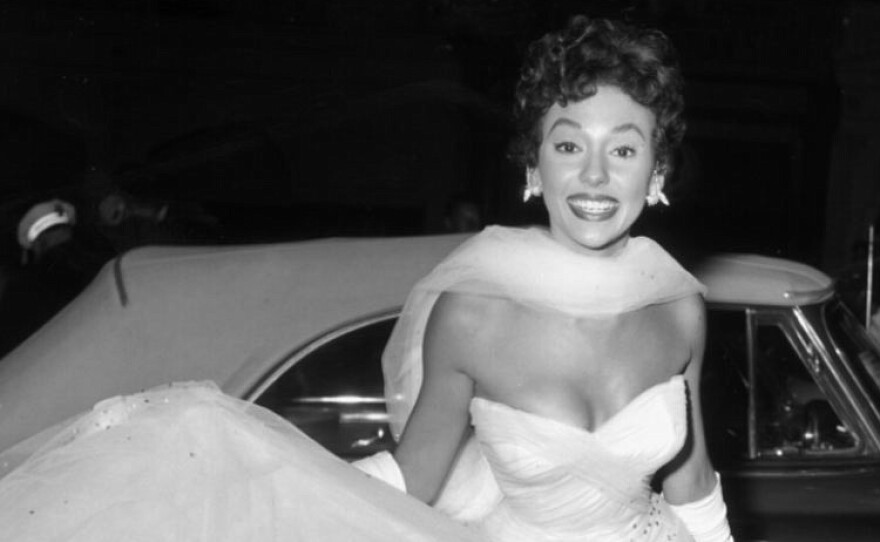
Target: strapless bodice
x,y
561,482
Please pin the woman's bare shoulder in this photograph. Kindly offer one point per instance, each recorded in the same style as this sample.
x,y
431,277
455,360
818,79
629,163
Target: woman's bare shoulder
x,y
465,325
690,317
457,312
690,308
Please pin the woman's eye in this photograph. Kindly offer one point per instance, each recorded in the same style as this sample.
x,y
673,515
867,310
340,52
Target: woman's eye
x,y
624,152
566,147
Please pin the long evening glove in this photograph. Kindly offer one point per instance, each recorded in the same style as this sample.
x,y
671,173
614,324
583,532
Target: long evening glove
x,y
706,519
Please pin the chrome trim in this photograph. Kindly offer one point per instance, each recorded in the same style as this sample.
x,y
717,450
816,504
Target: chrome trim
x,y
750,360
363,417
339,400
807,327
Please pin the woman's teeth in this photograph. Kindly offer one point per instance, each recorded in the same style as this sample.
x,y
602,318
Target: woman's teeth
x,y
592,206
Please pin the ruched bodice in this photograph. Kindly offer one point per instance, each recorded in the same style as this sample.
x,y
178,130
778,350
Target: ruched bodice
x,y
562,482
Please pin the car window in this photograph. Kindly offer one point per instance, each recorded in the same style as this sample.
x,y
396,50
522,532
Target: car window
x,y
335,392
771,407
793,415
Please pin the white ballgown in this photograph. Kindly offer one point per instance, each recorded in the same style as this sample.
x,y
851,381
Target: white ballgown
x,y
186,463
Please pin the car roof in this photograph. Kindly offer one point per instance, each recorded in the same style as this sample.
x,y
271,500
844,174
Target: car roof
x,y
749,279
230,314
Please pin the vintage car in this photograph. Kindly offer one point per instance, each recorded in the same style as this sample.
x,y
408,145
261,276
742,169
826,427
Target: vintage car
x,y
791,386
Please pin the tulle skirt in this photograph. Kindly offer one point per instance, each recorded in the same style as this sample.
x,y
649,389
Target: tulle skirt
x,y
187,463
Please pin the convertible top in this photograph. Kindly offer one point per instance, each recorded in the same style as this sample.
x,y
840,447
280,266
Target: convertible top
x,y
226,314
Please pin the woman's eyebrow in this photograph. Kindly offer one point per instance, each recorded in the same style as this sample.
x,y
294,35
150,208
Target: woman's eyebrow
x,y
625,127
563,121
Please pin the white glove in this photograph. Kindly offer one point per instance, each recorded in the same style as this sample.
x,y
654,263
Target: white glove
x,y
382,466
706,518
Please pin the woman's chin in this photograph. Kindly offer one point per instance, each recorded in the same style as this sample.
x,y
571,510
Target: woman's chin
x,y
597,245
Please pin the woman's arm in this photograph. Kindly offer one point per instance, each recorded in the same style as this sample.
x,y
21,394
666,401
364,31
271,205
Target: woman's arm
x,y
440,420
690,475
691,485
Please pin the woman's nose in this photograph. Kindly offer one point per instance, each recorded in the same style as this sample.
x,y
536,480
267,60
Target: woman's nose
x,y
595,171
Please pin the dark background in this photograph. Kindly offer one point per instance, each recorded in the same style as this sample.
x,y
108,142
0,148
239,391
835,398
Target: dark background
x,y
306,118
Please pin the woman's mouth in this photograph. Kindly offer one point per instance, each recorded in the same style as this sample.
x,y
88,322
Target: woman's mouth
x,y
592,207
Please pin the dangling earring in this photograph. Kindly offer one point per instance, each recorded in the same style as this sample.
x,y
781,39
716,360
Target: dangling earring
x,y
656,194
530,190
662,197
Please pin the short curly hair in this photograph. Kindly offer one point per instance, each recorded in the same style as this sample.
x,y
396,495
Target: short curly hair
x,y
567,66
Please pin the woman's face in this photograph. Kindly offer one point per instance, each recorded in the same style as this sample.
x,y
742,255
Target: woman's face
x,y
594,169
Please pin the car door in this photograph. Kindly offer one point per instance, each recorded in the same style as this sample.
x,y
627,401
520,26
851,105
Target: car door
x,y
782,431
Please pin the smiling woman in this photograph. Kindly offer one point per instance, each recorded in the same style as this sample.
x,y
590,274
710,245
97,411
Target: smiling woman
x,y
523,363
